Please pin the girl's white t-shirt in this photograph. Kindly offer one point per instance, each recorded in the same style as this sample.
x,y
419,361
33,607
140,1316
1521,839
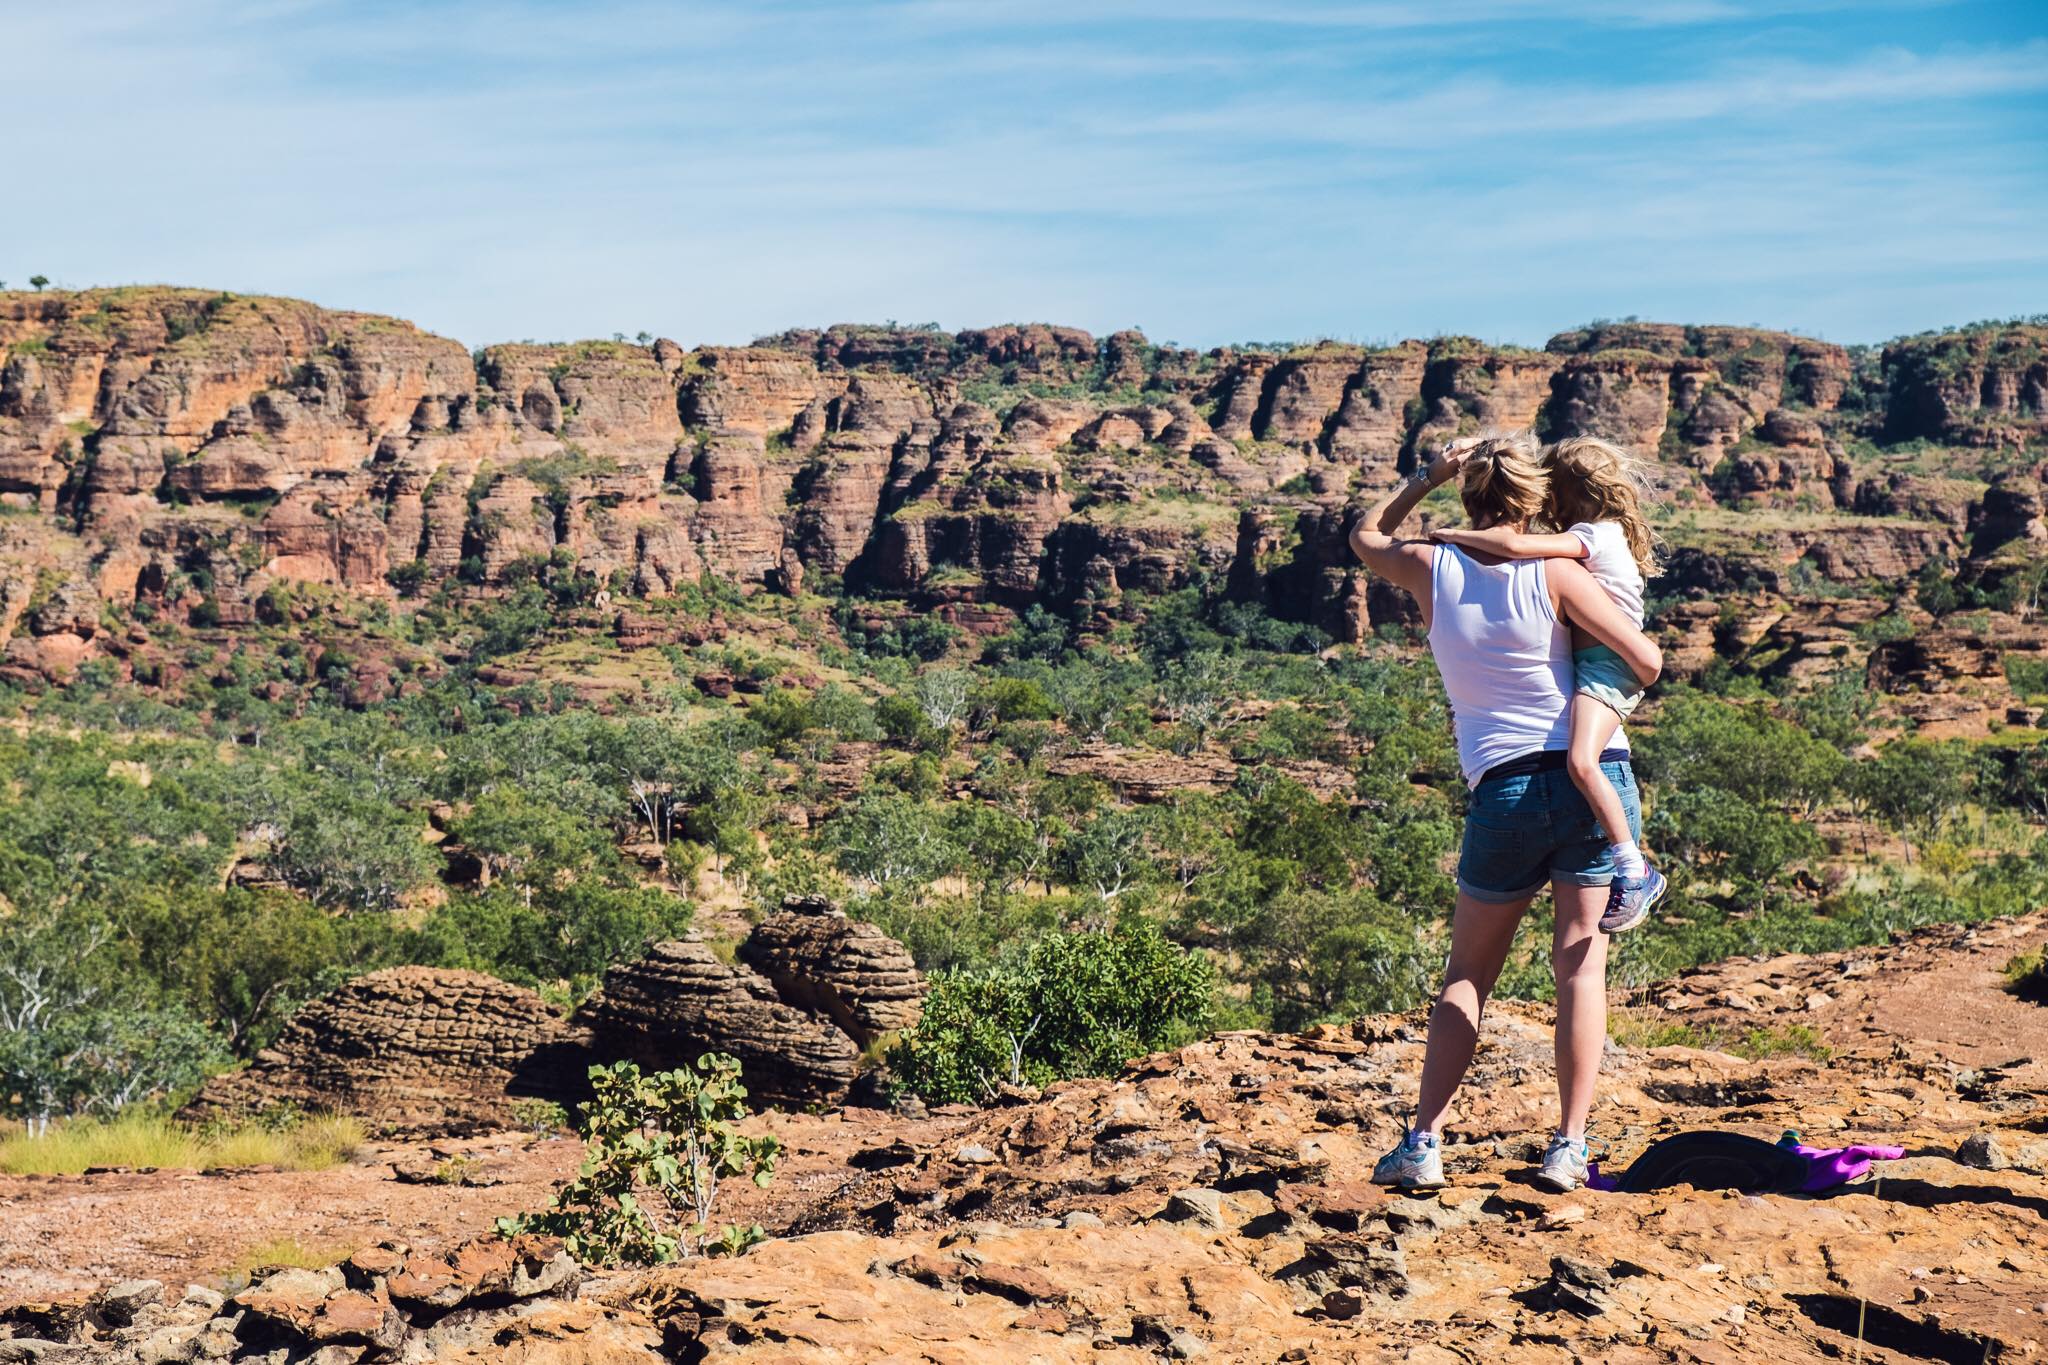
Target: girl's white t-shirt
x,y
1613,565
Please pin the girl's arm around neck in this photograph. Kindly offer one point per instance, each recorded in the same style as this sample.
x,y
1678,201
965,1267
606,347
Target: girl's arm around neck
x,y
1512,544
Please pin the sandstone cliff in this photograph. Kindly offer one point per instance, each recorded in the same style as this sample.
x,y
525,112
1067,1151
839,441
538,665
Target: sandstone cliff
x,y
187,449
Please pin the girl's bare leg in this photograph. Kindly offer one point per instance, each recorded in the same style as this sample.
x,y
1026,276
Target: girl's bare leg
x,y
1593,725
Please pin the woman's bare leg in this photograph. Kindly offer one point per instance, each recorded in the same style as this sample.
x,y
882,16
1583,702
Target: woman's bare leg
x,y
1578,959
1593,725
1481,934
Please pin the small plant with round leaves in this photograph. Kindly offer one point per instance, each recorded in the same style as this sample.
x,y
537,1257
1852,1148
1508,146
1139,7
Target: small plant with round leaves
x,y
657,1148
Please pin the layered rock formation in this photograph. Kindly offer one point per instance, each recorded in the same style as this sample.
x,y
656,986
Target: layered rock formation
x,y
681,1001
1981,386
191,448
849,971
810,990
410,1050
424,1050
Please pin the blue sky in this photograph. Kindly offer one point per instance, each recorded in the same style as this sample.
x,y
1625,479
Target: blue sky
x,y
1209,170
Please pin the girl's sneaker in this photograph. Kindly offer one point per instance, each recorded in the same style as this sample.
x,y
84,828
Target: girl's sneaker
x,y
1629,900
1417,1163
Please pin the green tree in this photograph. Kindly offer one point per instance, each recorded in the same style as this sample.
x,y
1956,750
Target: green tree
x,y
729,823
353,854
80,1032
886,839
1070,1005
942,695
242,960
1724,834
1196,688
904,723
1745,750
1916,784
1311,840
533,844
997,701
1108,854
1316,955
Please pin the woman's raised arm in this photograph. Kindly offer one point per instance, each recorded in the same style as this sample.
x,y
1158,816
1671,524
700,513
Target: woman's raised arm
x,y
1404,563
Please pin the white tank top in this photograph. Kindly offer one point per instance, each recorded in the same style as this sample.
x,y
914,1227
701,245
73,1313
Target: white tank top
x,y
1506,659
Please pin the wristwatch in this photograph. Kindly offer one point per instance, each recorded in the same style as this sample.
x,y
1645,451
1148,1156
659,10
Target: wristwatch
x,y
1421,474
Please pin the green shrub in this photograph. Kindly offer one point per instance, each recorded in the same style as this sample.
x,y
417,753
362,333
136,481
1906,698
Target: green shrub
x,y
1002,700
2027,976
1078,1004
2028,674
408,578
539,1117
657,1148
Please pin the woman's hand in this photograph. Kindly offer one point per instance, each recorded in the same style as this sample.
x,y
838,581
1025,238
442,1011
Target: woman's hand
x,y
1451,459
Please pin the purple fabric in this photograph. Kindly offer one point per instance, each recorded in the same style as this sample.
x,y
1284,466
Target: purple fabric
x,y
1832,1166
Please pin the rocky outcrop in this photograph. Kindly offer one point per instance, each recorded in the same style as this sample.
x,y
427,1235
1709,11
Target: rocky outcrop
x,y
1692,394
1984,386
1470,388
422,1050
489,1298
809,991
848,971
410,1050
1619,395
1214,1203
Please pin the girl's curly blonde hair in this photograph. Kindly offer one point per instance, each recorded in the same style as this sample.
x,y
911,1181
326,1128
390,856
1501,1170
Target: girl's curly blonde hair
x,y
1595,480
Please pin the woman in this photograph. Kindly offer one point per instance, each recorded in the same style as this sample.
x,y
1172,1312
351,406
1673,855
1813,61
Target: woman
x,y
1500,632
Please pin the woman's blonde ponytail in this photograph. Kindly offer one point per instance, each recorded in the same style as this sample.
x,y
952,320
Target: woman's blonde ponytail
x,y
1505,483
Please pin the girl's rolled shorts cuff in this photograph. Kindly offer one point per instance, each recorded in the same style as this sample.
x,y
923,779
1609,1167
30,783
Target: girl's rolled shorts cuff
x,y
1604,676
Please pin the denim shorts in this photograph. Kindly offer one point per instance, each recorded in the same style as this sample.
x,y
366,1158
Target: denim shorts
x,y
1524,831
1602,674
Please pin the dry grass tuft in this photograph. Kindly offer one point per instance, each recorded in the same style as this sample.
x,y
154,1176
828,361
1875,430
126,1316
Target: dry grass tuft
x,y
139,1140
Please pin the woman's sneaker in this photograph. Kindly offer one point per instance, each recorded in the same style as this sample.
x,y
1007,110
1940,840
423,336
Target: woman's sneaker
x,y
1564,1165
1417,1163
1629,900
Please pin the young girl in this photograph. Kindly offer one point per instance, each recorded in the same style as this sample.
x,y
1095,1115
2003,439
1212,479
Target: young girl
x,y
1595,494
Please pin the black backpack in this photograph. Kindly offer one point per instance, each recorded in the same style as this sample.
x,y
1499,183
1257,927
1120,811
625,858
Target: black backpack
x,y
1708,1160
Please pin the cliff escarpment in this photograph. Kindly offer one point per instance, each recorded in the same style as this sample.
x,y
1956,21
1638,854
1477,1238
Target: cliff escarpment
x,y
188,449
